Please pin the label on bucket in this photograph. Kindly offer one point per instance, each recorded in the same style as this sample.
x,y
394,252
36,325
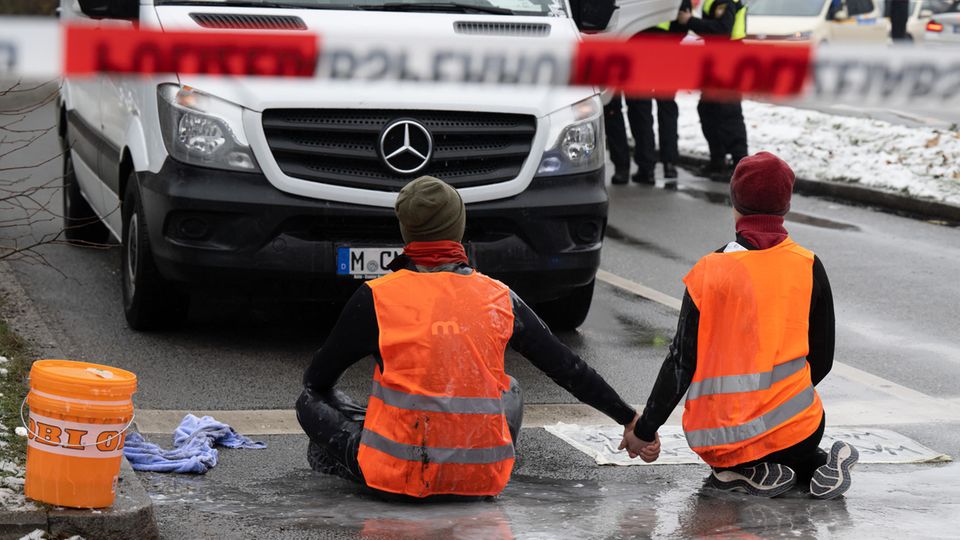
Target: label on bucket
x,y
102,373
75,439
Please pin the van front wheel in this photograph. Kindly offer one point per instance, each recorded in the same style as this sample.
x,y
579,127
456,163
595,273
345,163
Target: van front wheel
x,y
568,312
149,301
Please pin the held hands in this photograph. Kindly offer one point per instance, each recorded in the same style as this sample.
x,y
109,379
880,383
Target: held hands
x,y
684,17
648,451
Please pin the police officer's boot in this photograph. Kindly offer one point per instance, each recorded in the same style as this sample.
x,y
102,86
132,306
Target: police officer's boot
x,y
669,170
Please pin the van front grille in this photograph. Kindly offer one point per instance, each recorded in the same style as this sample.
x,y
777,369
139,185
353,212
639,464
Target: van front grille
x,y
340,146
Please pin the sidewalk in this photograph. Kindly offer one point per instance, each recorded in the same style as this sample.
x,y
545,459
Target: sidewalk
x,y
910,169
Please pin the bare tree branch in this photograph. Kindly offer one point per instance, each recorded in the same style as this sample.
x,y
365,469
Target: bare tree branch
x,y
29,216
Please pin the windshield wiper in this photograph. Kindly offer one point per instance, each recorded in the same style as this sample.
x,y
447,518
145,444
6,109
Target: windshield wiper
x,y
452,7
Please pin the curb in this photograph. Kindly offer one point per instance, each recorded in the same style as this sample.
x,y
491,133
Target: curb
x,y
131,515
885,200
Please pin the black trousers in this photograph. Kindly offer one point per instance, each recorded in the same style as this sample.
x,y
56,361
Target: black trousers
x,y
803,457
724,129
640,114
334,422
616,131
899,13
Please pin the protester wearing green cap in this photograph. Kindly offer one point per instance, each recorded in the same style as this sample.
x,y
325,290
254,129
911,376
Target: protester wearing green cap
x,y
443,416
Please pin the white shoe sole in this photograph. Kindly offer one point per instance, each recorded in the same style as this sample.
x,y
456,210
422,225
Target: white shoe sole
x,y
833,479
734,481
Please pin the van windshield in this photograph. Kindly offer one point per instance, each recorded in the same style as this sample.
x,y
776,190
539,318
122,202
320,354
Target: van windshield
x,y
786,8
555,8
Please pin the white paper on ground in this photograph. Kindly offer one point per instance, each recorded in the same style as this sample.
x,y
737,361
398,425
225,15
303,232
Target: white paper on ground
x,y
875,445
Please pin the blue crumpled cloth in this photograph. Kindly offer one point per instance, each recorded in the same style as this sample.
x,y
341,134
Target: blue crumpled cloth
x,y
193,447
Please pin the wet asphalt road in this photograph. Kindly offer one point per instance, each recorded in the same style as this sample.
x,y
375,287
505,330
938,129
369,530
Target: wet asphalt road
x,y
894,282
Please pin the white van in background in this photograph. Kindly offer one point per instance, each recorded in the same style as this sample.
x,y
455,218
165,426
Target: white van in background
x,y
817,21
285,187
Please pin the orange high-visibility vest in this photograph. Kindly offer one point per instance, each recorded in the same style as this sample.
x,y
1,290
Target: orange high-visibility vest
x,y
751,393
435,421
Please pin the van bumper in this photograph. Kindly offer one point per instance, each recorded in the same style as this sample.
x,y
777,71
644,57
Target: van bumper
x,y
210,227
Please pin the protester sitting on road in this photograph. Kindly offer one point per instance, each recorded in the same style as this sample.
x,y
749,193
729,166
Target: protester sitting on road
x,y
756,334
443,416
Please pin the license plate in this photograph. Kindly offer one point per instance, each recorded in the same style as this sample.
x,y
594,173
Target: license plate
x,y
365,262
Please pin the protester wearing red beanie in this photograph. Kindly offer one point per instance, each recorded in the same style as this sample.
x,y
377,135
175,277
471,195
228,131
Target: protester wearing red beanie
x,y
756,333
762,184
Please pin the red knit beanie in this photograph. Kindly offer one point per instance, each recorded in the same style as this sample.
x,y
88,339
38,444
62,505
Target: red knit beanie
x,y
762,184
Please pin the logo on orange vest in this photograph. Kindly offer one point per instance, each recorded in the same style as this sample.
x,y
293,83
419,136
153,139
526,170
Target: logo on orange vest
x,y
445,328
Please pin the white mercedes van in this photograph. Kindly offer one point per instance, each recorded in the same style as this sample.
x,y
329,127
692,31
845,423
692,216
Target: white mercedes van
x,y
286,186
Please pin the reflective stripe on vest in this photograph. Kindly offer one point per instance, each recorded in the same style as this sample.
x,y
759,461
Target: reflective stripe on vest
x,y
429,454
664,26
739,23
758,426
455,405
734,384
435,422
751,393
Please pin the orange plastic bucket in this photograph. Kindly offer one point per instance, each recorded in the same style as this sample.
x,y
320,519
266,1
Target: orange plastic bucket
x,y
79,413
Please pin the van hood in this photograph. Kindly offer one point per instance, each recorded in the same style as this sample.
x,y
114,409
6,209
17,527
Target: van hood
x,y
780,26
383,34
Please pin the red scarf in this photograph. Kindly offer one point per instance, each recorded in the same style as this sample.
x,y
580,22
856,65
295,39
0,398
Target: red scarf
x,y
431,254
762,230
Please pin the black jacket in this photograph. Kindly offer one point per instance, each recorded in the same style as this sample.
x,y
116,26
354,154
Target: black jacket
x,y
681,361
356,336
711,25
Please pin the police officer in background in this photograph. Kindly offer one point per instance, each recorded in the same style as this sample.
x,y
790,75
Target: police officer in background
x,y
640,114
722,122
899,12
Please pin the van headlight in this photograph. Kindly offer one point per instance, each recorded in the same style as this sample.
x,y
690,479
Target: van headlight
x,y
576,139
203,130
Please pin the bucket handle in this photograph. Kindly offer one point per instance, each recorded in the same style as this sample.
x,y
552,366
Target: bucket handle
x,y
26,426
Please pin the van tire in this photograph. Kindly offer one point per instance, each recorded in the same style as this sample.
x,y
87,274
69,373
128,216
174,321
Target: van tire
x,y
568,312
149,301
81,225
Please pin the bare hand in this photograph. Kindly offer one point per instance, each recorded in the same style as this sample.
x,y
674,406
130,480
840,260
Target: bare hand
x,y
684,17
645,450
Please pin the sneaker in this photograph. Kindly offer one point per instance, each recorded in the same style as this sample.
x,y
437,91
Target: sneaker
x,y
763,480
669,170
833,479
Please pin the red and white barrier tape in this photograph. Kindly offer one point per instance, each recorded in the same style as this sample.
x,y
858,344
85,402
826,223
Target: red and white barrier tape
x,y
912,79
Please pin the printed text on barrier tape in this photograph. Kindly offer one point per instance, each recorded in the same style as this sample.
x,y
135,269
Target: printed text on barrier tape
x,y
912,79
89,50
662,66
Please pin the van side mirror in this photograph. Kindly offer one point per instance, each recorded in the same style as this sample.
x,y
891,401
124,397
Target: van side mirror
x,y
111,9
592,15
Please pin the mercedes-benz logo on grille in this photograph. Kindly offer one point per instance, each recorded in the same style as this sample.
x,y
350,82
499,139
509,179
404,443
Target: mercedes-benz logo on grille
x,y
405,146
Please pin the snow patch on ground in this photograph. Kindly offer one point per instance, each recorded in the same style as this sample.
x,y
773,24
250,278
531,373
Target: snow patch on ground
x,y
918,161
11,488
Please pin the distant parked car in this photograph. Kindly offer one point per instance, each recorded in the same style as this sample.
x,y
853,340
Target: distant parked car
x,y
817,21
920,14
944,27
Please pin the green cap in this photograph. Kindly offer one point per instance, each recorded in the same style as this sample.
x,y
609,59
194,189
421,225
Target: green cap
x,y
429,209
